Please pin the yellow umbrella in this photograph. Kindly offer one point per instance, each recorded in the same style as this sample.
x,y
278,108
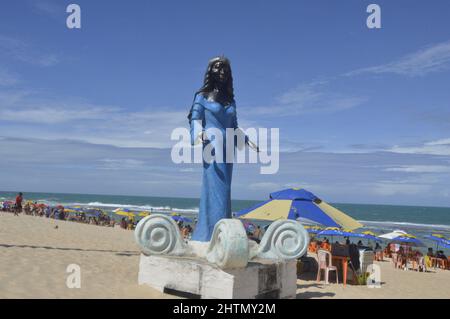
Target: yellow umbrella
x,y
368,232
127,214
144,214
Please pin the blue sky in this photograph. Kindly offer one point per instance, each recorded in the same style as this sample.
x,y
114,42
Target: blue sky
x,y
364,115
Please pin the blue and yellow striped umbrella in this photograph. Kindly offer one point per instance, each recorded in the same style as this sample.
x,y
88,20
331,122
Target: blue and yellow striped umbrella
x,y
440,240
299,204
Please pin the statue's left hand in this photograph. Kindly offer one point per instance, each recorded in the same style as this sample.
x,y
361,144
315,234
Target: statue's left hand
x,y
253,146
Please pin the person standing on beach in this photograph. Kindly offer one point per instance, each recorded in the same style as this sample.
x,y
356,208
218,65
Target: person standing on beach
x,y
19,199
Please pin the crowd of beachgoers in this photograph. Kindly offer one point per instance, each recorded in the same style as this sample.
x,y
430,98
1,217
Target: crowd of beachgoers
x,y
403,257
86,215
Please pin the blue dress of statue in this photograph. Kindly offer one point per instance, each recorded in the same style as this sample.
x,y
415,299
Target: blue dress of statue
x,y
214,108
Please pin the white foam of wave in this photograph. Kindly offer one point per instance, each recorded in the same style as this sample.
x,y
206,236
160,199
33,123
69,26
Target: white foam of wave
x,y
135,207
391,224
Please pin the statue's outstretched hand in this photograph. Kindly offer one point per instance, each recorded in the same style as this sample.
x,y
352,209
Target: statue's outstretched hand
x,y
204,137
253,146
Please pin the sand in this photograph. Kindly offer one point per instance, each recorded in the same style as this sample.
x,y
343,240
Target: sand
x,y
34,256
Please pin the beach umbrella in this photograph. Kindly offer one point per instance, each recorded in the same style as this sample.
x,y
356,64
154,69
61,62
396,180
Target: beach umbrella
x,y
370,235
181,218
439,239
332,231
302,205
143,214
396,233
69,210
313,229
125,213
401,237
78,209
445,243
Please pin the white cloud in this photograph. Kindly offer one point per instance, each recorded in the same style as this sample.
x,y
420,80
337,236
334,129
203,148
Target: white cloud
x,y
54,115
312,97
24,52
99,124
419,169
391,188
438,147
50,8
434,58
7,78
115,164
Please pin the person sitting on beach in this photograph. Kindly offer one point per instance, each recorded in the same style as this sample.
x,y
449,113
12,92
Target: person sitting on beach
x,y
185,232
326,244
440,254
378,252
257,232
427,258
26,208
48,211
123,223
441,259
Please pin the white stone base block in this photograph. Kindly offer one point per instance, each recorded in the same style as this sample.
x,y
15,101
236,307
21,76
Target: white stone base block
x,y
196,278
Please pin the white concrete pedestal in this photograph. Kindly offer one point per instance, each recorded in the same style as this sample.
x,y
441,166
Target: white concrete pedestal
x,y
196,278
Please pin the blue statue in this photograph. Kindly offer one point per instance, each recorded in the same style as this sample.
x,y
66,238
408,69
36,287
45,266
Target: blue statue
x,y
214,108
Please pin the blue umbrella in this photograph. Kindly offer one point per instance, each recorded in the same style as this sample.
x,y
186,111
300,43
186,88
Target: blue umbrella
x,y
365,235
181,218
331,231
439,239
313,229
445,243
408,240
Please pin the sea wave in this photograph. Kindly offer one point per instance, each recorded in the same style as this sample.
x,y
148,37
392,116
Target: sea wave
x,y
395,225
136,207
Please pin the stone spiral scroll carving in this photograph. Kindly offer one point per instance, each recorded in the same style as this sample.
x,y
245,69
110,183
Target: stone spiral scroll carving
x,y
285,240
228,247
159,235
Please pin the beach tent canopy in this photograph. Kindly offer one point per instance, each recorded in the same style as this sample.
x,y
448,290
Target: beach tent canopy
x,y
396,233
302,205
401,237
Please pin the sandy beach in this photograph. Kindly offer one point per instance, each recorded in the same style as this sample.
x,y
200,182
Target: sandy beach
x,y
34,255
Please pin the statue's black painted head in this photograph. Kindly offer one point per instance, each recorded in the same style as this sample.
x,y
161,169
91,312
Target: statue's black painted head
x,y
218,75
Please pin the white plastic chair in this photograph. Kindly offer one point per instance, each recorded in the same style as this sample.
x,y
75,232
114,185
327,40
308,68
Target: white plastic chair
x,y
324,259
366,258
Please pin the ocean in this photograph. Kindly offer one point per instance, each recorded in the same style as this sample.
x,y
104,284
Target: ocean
x,y
416,220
